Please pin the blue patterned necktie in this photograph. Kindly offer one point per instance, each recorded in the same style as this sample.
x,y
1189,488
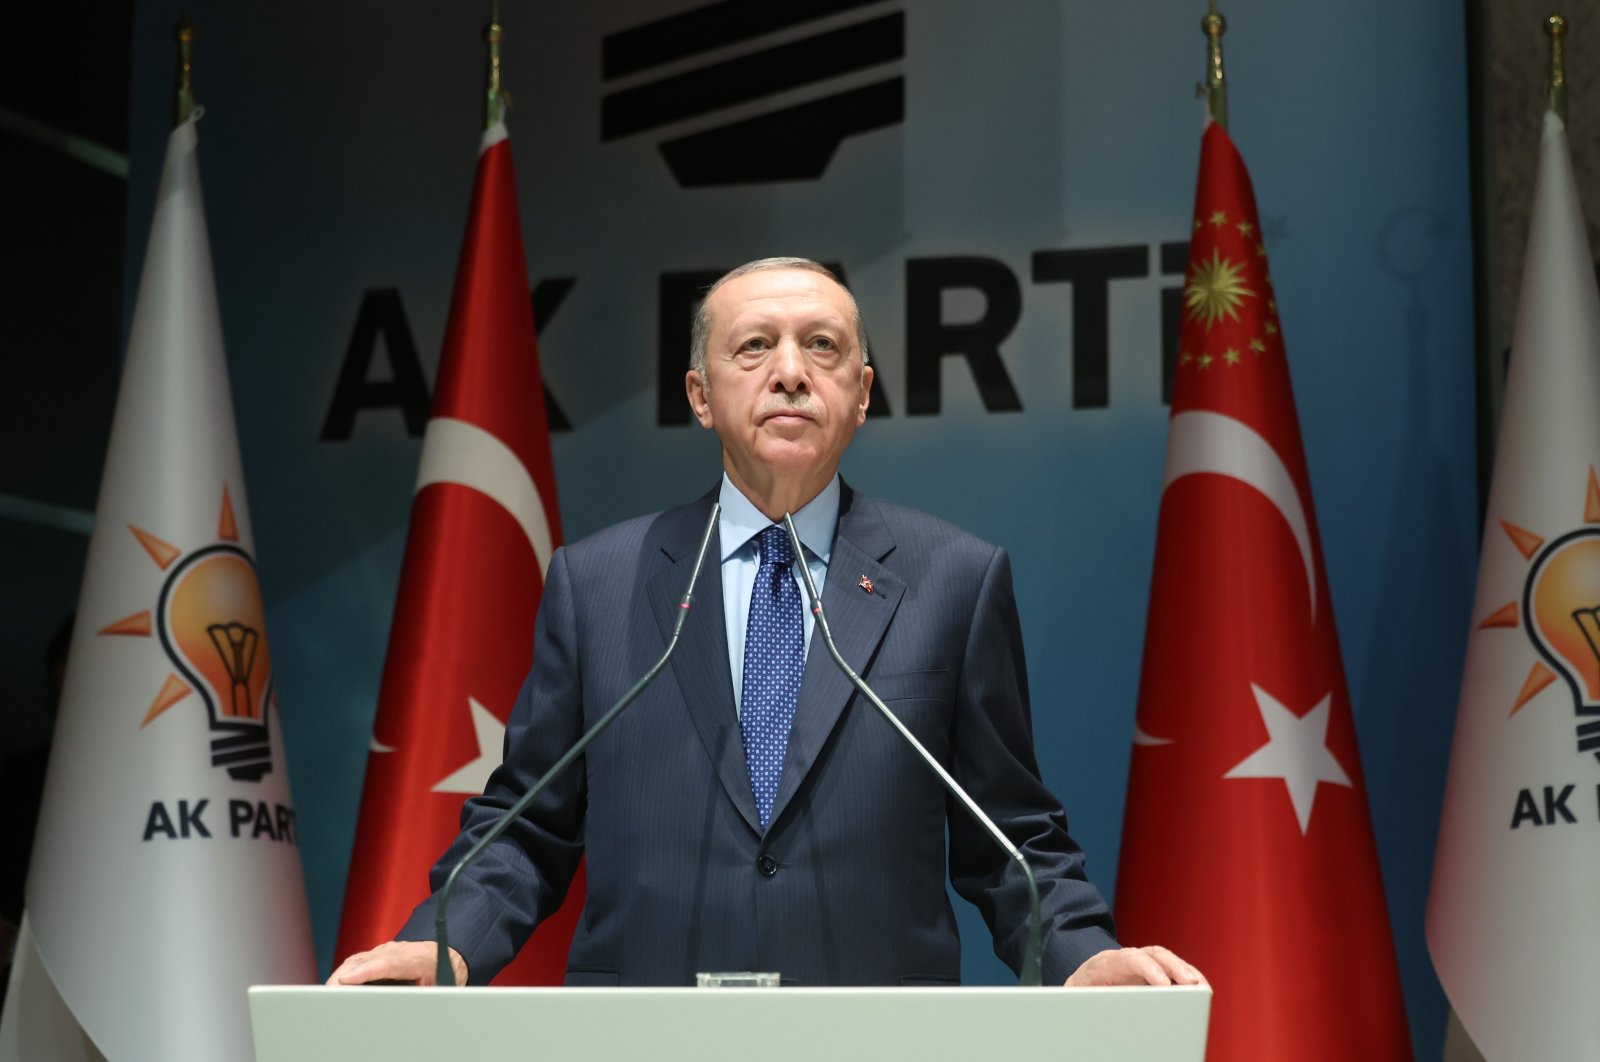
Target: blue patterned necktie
x,y
774,658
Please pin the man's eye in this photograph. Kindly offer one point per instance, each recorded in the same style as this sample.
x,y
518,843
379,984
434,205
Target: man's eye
x,y
754,344
822,343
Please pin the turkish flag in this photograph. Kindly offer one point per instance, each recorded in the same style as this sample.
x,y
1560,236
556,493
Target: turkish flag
x,y
1247,846
483,525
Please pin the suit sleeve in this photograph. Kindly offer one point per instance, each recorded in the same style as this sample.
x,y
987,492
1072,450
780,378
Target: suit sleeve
x,y
523,875
993,757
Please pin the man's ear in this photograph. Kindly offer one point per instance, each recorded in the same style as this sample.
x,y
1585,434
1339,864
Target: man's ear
x,y
866,395
694,385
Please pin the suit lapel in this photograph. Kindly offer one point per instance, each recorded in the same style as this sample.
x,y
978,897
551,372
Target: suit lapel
x,y
858,618
701,661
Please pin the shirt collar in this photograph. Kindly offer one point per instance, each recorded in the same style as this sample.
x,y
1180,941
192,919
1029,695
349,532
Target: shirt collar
x,y
815,523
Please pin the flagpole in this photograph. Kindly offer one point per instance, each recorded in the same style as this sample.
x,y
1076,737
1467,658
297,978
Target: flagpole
x,y
183,102
1216,89
488,372
1556,27
494,100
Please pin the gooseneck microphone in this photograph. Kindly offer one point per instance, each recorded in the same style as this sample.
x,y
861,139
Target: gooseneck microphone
x,y
446,975
1031,974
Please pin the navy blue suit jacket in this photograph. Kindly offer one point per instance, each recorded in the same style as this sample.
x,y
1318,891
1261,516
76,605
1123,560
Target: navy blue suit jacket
x,y
846,886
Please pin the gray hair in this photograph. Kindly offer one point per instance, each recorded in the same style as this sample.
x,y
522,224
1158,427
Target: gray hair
x,y
700,331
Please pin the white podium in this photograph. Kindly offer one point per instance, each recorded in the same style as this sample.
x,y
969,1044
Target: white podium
x,y
307,1024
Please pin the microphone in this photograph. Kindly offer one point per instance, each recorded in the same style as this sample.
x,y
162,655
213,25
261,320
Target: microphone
x,y
1031,959
446,975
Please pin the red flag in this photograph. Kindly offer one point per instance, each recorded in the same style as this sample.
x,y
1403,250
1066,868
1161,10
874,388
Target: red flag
x,y
1247,846
483,525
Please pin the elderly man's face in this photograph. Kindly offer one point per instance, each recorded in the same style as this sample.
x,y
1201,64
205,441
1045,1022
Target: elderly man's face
x,y
785,388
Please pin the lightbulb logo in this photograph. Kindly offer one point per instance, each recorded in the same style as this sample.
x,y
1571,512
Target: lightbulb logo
x,y
211,623
1560,611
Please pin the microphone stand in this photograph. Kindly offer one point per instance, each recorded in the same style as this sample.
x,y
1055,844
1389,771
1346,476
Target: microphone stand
x,y
1031,959
445,973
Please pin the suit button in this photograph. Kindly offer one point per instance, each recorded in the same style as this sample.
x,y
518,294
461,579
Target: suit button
x,y
767,865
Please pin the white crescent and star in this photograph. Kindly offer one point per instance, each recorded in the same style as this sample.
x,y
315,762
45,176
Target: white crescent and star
x,y
1201,441
1296,752
1205,442
1146,740
472,776
461,453
454,451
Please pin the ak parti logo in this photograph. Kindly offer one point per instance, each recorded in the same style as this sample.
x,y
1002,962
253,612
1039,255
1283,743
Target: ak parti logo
x,y
1560,611
212,626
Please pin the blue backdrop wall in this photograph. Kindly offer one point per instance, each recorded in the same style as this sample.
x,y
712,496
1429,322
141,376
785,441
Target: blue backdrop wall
x,y
337,152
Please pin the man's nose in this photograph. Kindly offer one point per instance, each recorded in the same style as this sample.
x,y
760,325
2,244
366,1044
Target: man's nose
x,y
789,367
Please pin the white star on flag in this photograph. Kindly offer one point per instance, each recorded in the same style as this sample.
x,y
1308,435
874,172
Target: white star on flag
x,y
472,776
1296,751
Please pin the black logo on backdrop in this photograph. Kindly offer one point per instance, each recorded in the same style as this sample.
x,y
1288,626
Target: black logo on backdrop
x,y
791,143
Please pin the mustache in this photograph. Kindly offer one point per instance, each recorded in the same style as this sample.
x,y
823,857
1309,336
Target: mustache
x,y
788,403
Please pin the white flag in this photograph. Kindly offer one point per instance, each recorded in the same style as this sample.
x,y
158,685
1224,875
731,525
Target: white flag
x,y
166,873
1514,913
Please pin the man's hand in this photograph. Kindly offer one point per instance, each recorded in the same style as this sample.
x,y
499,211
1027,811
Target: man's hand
x,y
1151,965
399,962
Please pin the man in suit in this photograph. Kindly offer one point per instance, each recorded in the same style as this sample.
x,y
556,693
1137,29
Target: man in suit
x,y
751,812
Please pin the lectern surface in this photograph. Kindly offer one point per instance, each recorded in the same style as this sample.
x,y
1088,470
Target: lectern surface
x,y
307,1024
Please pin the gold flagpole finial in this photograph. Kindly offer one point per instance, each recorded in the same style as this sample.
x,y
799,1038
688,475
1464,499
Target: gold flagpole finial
x,y
1216,89
1556,27
494,100
183,103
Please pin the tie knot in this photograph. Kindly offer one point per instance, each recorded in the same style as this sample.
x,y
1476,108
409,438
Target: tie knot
x,y
775,548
